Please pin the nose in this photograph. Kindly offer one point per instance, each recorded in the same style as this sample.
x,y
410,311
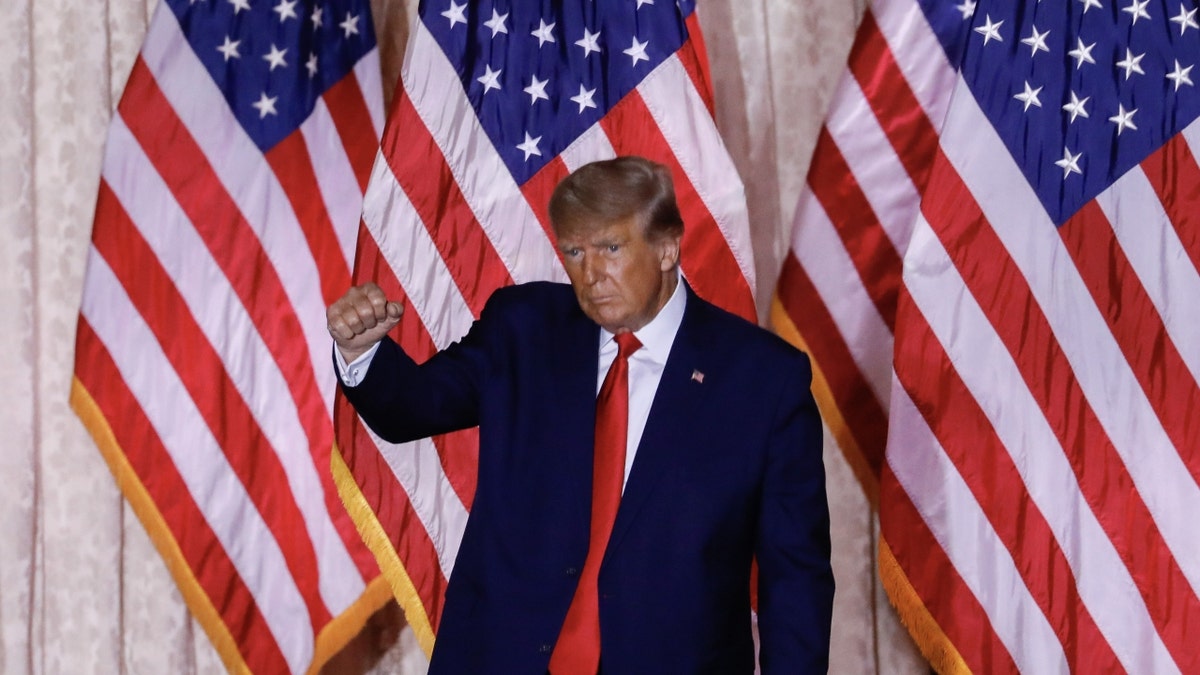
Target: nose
x,y
593,270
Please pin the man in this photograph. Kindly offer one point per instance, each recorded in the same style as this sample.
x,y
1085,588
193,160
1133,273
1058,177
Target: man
x,y
638,448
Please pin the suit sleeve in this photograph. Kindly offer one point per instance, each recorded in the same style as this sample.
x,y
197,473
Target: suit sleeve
x,y
403,401
795,582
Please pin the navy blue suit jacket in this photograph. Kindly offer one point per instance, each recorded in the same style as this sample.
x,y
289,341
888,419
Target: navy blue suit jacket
x,y
728,469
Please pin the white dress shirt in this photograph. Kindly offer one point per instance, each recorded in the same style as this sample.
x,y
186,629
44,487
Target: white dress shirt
x,y
645,365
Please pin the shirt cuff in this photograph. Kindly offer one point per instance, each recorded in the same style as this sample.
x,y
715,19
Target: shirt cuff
x,y
353,373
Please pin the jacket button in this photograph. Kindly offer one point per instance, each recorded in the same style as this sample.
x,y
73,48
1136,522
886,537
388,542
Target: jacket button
x,y
544,649
571,571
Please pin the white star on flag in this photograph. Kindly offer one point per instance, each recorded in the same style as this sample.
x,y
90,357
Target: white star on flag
x,y
589,42
1136,10
496,23
490,79
239,5
275,57
1081,53
637,51
1029,96
1131,64
990,30
1036,42
265,105
230,49
1069,163
286,10
529,147
350,25
456,13
1186,19
584,98
1075,107
1123,119
1180,75
543,33
537,90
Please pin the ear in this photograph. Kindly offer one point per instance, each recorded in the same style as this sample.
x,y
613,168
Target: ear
x,y
668,250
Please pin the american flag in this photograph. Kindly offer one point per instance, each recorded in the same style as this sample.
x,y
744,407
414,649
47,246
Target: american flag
x,y
499,101
1009,189
226,219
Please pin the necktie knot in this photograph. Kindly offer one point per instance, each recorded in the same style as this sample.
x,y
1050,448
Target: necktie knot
x,y
627,343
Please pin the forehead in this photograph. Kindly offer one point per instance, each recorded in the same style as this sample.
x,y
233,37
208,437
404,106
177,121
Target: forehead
x,y
595,231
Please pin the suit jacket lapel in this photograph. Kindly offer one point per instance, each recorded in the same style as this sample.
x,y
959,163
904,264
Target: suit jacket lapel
x,y
663,441
570,389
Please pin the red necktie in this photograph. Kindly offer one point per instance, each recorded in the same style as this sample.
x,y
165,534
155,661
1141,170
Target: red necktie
x,y
577,651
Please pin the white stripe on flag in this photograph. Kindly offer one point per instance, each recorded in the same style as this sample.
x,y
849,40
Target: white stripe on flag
x,y
211,481
961,528
986,367
820,252
684,121
418,469
1160,261
918,54
494,197
241,168
368,72
1103,374
405,243
336,179
874,163
591,146
244,357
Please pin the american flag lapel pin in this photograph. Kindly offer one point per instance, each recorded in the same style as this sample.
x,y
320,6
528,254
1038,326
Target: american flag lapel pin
x,y
697,377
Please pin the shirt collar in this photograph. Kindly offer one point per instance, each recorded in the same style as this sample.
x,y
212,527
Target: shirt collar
x,y
658,335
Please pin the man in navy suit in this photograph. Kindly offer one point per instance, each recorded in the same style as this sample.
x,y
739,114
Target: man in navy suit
x,y
719,439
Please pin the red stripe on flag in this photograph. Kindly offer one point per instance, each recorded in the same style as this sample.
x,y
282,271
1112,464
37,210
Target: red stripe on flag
x,y
233,244
537,191
947,597
707,259
458,451
981,259
348,109
900,114
693,54
864,414
406,533
205,556
218,400
421,170
1173,172
1137,327
292,165
970,442
875,258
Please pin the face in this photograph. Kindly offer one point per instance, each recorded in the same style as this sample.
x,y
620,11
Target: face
x,y
620,278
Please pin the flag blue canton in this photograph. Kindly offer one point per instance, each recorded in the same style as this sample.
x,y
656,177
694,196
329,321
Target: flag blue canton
x,y
1081,91
950,24
539,74
272,60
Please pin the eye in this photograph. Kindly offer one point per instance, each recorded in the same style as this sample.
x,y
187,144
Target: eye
x,y
613,248
571,252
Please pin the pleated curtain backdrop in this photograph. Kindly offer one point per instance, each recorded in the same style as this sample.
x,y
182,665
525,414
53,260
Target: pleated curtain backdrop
x,y
82,589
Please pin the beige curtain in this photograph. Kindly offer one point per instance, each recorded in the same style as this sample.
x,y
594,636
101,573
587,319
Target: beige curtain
x,y
82,590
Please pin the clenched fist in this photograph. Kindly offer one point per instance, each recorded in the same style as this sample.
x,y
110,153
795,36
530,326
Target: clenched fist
x,y
360,318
